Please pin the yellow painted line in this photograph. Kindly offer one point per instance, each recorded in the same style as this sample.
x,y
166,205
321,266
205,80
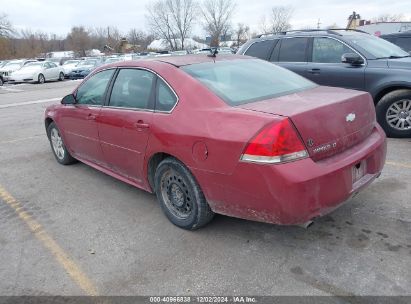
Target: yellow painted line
x,y
401,165
72,269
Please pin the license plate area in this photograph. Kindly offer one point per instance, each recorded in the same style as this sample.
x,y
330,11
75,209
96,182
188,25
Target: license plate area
x,y
358,171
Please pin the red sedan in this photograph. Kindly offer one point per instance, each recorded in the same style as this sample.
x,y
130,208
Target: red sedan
x,y
230,135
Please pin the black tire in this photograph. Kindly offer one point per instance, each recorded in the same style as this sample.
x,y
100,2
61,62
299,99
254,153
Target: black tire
x,y
180,196
61,76
383,109
64,156
1,81
41,79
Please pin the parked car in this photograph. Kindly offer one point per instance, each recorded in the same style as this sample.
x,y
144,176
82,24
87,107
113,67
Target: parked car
x,y
230,134
39,72
402,39
83,68
68,66
10,67
348,59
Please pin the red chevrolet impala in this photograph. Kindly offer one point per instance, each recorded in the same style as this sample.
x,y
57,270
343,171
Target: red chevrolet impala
x,y
227,134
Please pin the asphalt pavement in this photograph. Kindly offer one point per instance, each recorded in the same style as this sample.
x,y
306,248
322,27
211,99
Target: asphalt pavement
x,y
72,230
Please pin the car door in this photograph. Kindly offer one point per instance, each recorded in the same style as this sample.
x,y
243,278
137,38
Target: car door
x,y
124,123
293,54
54,70
79,121
325,67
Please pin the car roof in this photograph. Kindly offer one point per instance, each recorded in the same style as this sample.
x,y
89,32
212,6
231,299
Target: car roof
x,y
314,32
179,61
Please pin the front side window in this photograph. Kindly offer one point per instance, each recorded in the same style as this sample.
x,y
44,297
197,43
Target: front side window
x,y
326,50
133,89
166,99
92,91
293,50
261,49
247,80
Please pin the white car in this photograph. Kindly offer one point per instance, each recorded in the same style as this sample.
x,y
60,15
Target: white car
x,y
39,72
12,66
69,65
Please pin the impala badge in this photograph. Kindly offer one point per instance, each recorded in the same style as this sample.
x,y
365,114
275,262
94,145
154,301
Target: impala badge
x,y
350,117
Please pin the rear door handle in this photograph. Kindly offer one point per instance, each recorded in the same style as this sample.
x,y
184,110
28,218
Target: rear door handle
x,y
91,117
141,125
314,71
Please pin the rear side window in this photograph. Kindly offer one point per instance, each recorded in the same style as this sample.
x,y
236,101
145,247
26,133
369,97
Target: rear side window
x,y
132,89
261,49
404,43
247,80
166,99
326,50
92,91
293,50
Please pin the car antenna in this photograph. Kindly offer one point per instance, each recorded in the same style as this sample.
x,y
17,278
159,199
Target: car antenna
x,y
213,53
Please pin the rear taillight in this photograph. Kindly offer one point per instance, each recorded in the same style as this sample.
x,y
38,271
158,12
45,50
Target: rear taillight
x,y
276,143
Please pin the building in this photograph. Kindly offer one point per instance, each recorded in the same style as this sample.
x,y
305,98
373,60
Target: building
x,y
385,28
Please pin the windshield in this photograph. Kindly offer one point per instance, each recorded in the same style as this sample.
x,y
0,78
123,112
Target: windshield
x,y
71,62
87,62
243,81
377,47
33,64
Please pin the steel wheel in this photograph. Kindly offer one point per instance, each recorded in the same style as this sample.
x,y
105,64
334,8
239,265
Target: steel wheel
x,y
57,144
176,194
398,115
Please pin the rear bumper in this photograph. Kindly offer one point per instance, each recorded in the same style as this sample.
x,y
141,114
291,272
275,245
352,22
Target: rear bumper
x,y
296,192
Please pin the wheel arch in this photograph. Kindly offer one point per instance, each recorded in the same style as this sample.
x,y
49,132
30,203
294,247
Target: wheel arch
x,y
152,164
47,123
384,91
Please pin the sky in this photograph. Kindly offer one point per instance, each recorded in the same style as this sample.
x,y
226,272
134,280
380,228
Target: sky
x,y
59,16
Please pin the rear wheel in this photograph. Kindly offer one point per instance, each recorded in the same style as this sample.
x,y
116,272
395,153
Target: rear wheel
x,y
1,81
41,79
394,113
180,196
61,76
58,147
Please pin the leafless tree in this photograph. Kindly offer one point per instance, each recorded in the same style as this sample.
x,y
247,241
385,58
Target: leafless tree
x,y
79,40
241,33
5,26
139,38
217,16
172,20
278,20
389,18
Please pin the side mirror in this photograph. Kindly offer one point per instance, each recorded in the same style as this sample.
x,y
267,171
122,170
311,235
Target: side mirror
x,y
69,99
352,58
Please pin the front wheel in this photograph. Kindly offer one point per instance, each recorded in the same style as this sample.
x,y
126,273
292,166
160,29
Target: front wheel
x,y
1,81
394,113
58,147
41,79
180,196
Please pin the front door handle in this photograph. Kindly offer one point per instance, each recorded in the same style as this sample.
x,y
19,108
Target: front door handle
x,y
91,117
141,125
314,71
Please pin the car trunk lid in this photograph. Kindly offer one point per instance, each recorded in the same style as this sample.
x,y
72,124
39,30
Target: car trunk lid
x,y
329,120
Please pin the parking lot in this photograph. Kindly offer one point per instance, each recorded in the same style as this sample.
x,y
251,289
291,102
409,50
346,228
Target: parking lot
x,y
76,231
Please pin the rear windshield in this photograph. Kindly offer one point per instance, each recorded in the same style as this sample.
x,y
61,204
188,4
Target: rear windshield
x,y
247,80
